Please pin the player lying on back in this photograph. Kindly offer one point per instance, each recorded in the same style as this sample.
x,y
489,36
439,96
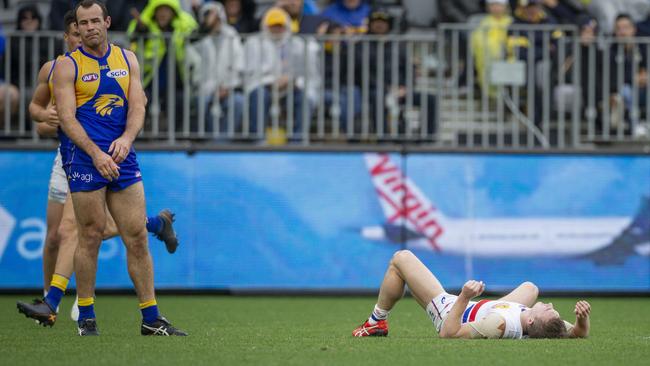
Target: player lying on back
x,y
515,316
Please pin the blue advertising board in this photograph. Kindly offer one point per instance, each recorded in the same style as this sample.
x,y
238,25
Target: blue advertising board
x,y
333,220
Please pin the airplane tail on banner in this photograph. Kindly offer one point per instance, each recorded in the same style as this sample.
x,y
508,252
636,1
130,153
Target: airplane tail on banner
x,y
407,210
635,239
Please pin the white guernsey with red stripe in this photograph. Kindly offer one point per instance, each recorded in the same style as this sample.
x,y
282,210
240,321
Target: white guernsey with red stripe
x,y
441,305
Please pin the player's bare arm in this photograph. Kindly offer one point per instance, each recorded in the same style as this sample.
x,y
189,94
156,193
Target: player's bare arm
x,y
40,110
453,327
582,324
135,117
65,95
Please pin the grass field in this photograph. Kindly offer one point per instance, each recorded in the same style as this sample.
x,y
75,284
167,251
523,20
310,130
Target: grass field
x,y
308,331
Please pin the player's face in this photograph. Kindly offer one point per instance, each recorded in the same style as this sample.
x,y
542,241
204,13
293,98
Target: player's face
x,y
92,26
72,38
544,311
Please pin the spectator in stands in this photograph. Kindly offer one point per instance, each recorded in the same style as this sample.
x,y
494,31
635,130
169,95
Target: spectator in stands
x,y
352,14
300,22
217,60
565,11
605,11
391,78
121,12
590,73
458,11
159,34
29,21
531,12
490,38
7,91
241,15
339,98
158,17
530,45
280,67
630,58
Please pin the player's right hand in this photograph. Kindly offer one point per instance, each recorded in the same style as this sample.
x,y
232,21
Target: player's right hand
x,y
106,166
52,116
582,310
472,288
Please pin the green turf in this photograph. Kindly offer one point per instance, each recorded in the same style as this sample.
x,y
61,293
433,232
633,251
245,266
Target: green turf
x,y
308,331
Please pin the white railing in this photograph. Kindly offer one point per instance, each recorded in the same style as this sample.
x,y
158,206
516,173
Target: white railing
x,y
407,89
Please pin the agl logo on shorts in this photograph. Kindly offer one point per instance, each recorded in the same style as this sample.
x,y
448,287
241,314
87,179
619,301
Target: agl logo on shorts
x,y
86,178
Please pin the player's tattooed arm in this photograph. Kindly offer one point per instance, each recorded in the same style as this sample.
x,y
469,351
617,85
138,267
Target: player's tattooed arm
x,y
453,327
135,116
65,95
40,110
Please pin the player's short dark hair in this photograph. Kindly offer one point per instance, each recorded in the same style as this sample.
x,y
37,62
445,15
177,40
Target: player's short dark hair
x,y
89,3
68,20
553,328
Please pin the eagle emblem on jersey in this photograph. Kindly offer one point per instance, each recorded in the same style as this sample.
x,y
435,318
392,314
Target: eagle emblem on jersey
x,y
106,102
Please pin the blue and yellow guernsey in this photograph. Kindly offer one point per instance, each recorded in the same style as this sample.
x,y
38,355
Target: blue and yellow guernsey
x,y
102,91
63,139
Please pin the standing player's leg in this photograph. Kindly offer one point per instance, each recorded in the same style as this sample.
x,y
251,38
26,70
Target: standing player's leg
x,y
56,198
404,269
525,294
127,207
67,231
52,240
90,212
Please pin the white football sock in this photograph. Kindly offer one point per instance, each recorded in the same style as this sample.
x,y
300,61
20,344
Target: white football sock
x,y
377,315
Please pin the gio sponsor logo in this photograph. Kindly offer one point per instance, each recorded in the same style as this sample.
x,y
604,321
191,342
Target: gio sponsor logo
x,y
86,178
105,104
89,78
117,74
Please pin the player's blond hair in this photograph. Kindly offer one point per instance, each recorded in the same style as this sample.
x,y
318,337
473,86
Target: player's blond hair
x,y
553,328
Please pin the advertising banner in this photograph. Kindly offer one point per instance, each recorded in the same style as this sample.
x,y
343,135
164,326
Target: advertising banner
x,y
332,221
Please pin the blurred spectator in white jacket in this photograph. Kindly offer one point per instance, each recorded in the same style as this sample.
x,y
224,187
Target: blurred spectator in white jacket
x,y
217,61
283,75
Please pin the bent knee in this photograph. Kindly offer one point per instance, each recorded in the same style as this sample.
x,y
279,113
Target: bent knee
x,y
531,287
402,255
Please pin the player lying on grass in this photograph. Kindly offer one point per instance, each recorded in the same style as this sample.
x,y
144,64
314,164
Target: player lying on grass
x,y
516,315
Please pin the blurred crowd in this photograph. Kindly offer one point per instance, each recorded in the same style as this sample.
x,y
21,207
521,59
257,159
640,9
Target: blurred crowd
x,y
277,71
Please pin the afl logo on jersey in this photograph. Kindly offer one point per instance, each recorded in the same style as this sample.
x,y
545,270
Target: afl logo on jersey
x,y
116,74
89,78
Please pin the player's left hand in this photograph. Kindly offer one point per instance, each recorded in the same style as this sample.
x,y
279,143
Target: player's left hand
x,y
582,310
472,288
119,149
